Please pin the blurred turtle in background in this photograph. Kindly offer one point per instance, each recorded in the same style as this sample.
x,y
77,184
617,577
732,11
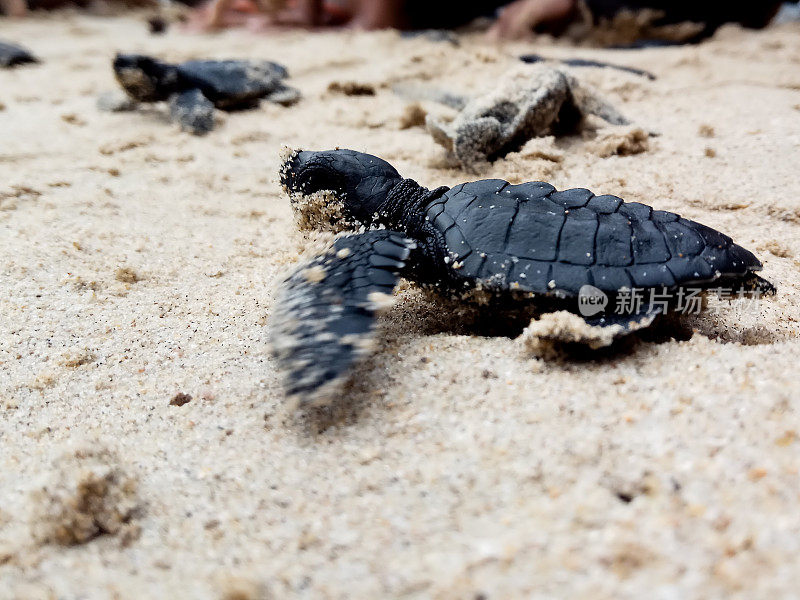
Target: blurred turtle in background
x,y
194,89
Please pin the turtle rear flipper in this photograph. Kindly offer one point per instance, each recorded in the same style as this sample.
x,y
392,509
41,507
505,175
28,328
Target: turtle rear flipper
x,y
192,111
628,322
554,332
12,55
758,286
324,317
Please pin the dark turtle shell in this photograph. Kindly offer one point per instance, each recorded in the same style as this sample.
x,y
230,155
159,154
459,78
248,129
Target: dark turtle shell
x,y
533,238
231,82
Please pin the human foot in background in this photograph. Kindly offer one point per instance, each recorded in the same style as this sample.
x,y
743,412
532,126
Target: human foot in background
x,y
219,14
518,19
378,14
14,8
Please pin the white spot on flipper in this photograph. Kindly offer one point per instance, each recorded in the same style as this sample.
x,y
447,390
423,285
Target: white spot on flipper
x,y
380,301
314,274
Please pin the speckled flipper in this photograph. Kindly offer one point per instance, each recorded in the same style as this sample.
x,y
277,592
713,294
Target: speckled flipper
x,y
12,55
192,111
324,317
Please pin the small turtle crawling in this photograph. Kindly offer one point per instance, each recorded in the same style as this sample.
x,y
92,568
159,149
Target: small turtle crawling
x,y
517,244
531,101
195,88
12,55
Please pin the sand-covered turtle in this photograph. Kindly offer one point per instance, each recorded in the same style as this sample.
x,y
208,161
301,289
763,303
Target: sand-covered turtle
x,y
530,101
513,244
195,88
12,55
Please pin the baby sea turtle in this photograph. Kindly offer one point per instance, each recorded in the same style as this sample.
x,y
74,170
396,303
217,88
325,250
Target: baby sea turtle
x,y
515,244
195,88
12,55
530,101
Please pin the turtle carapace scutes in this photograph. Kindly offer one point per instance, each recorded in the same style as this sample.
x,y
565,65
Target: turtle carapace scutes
x,y
196,87
526,243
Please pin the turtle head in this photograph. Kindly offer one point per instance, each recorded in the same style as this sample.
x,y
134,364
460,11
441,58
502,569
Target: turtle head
x,y
337,189
145,79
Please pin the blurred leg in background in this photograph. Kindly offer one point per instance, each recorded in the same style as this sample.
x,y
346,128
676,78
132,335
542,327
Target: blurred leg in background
x,y
519,18
516,19
14,8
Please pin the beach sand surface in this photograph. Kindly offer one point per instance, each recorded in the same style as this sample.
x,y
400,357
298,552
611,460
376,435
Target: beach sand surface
x,y
138,268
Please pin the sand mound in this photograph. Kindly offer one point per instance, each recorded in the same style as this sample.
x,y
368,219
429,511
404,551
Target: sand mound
x,y
88,495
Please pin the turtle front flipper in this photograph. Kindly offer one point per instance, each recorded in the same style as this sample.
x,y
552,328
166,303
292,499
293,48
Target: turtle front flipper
x,y
192,111
324,317
589,102
441,132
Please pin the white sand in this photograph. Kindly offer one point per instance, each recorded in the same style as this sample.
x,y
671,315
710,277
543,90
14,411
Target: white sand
x,y
137,262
